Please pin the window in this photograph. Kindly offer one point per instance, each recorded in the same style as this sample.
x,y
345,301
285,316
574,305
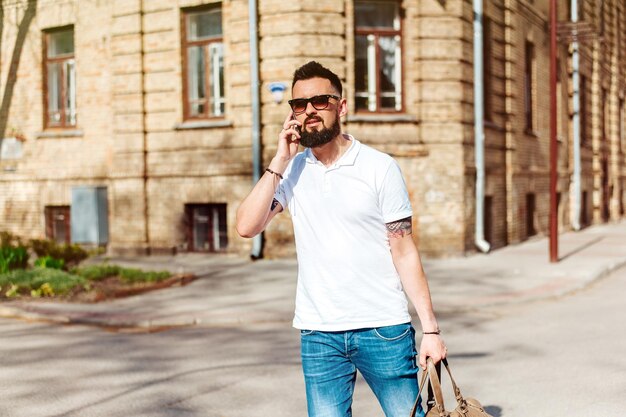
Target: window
x,y
581,10
559,212
378,58
607,189
59,78
601,12
488,219
620,126
529,84
203,64
58,223
487,69
559,102
604,109
207,223
584,207
530,215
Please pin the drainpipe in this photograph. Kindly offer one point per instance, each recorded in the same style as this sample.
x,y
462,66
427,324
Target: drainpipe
x,y
479,130
257,241
576,175
144,134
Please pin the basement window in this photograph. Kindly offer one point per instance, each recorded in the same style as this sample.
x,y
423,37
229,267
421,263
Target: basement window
x,y
584,208
58,223
207,227
488,219
530,215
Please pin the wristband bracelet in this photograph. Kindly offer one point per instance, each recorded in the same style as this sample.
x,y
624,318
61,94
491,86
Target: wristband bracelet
x,y
437,332
279,175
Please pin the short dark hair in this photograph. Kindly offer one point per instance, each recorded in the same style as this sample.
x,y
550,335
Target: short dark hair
x,y
314,69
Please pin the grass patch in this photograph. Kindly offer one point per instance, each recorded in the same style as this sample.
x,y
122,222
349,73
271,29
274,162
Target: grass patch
x,y
97,272
42,281
130,276
38,281
126,275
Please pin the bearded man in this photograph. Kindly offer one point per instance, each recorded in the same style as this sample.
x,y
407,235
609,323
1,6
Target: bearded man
x,y
357,261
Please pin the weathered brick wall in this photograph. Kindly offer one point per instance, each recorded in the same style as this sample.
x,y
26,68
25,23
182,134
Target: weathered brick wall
x,y
183,164
130,103
54,161
440,60
528,150
126,198
291,34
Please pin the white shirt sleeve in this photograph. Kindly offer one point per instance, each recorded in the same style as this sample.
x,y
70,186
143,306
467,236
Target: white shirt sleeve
x,y
393,196
284,191
281,194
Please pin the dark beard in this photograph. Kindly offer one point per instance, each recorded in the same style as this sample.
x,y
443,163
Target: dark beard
x,y
320,137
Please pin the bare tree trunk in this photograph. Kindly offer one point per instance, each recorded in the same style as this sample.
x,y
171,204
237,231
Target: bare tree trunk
x,y
22,32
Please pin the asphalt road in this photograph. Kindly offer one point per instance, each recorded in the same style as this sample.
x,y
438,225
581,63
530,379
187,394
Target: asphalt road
x,y
558,358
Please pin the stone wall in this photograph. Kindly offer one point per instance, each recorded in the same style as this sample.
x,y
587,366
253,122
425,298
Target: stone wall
x,y
133,138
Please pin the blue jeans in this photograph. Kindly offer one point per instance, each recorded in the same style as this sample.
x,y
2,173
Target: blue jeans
x,y
385,356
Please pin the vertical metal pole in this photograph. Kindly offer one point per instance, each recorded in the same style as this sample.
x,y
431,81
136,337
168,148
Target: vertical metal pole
x,y
576,119
257,241
554,250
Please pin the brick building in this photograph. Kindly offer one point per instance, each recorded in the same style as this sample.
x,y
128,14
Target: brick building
x,y
150,104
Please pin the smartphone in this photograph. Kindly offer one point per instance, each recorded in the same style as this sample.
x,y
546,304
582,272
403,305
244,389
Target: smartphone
x,y
297,127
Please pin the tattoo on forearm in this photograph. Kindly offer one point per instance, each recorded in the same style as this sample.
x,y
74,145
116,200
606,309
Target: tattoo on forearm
x,y
399,228
275,203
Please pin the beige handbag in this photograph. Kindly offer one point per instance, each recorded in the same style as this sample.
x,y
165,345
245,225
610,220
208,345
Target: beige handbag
x,y
466,407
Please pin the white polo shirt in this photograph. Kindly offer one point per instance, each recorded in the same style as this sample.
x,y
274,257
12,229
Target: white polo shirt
x,y
346,276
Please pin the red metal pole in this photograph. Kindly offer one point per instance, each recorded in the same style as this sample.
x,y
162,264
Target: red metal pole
x,y
554,226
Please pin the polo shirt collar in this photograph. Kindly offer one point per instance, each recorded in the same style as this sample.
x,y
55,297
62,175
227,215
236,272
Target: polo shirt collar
x,y
348,158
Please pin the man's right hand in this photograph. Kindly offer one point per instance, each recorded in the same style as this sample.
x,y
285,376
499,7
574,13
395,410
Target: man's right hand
x,y
288,139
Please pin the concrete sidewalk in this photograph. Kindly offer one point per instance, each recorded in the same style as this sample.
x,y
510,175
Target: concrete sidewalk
x,y
233,291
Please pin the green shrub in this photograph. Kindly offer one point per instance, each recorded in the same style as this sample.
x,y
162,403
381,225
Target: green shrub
x,y
13,257
48,281
96,272
13,254
50,262
70,254
130,275
9,239
73,254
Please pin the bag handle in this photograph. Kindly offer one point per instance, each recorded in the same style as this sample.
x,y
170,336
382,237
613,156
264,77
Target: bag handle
x,y
457,391
435,388
435,385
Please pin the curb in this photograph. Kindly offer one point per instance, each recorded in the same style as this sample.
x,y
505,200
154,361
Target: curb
x,y
535,294
138,325
143,324
18,313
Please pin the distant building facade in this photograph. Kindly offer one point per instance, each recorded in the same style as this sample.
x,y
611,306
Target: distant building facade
x,y
150,101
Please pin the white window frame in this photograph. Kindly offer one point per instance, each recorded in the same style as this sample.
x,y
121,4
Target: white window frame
x,y
374,55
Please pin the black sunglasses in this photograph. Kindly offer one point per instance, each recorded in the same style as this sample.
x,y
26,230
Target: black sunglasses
x,y
298,105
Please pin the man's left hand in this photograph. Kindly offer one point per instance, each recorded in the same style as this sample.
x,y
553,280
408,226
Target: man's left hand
x,y
432,346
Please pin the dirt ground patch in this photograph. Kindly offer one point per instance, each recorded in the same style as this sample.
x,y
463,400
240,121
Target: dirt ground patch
x,y
110,288
113,287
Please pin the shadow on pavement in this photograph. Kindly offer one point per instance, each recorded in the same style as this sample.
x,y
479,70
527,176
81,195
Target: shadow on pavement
x,y
581,248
